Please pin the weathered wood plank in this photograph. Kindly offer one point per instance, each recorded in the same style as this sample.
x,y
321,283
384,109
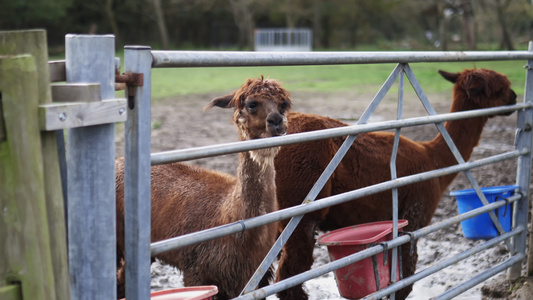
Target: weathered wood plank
x,y
2,126
34,43
76,92
11,292
57,71
31,42
25,249
72,114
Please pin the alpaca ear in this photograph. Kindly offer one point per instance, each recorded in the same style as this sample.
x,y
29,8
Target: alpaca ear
x,y
451,77
223,102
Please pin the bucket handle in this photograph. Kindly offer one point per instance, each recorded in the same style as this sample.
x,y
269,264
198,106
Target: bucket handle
x,y
400,263
412,239
507,200
375,262
385,252
376,272
506,204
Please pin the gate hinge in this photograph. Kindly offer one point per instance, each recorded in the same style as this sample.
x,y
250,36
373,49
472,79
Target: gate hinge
x,y
128,79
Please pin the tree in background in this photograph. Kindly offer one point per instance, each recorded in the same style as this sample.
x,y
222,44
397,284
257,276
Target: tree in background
x,y
244,17
26,13
336,24
468,23
161,24
500,8
495,11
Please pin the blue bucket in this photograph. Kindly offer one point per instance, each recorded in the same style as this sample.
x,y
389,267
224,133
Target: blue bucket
x,y
481,227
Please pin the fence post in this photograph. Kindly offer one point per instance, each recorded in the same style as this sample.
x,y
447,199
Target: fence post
x,y
137,59
91,175
25,252
33,42
524,140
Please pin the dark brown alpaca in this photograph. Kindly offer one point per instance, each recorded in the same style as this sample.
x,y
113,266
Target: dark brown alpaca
x,y
187,199
367,163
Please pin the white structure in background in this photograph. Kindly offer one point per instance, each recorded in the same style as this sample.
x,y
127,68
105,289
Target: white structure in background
x,y
283,39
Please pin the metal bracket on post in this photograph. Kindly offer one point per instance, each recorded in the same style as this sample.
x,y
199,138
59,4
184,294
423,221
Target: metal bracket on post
x,y
130,79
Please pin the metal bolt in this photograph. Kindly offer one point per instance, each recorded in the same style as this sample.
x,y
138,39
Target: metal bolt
x,y
527,127
122,111
62,116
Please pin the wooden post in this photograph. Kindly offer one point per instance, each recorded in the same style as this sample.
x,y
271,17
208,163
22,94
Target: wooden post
x,y
91,175
2,126
25,253
33,42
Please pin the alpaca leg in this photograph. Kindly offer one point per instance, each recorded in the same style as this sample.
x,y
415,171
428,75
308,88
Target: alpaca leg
x,y
269,275
121,280
409,267
297,257
266,279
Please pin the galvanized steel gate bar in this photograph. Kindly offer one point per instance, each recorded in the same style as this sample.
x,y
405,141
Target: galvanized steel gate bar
x,y
234,147
232,228
175,59
159,59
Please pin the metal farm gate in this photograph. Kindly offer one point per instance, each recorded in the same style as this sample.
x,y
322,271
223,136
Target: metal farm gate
x,y
85,52
142,59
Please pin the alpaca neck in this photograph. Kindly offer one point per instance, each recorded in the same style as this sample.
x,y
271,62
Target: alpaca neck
x,y
255,188
465,134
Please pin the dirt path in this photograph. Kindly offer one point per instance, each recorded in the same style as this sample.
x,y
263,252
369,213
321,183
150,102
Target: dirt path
x,y
180,123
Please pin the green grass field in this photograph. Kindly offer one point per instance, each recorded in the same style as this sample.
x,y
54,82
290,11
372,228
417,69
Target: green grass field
x,y
181,81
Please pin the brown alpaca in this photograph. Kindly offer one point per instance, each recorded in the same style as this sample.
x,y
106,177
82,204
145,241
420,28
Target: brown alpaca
x,y
367,163
187,199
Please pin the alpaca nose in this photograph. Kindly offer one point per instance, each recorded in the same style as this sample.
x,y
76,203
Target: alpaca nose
x,y
275,124
512,101
513,97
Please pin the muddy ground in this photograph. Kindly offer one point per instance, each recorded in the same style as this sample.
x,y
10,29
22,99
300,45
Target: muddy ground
x,y
179,122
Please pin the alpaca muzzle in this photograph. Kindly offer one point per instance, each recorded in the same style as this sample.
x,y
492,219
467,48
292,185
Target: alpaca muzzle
x,y
512,101
513,98
276,124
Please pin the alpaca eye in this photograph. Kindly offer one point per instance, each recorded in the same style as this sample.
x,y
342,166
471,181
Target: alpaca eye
x,y
284,106
251,105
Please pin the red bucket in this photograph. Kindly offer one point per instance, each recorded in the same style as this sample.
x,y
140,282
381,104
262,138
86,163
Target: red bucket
x,y
186,293
358,279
